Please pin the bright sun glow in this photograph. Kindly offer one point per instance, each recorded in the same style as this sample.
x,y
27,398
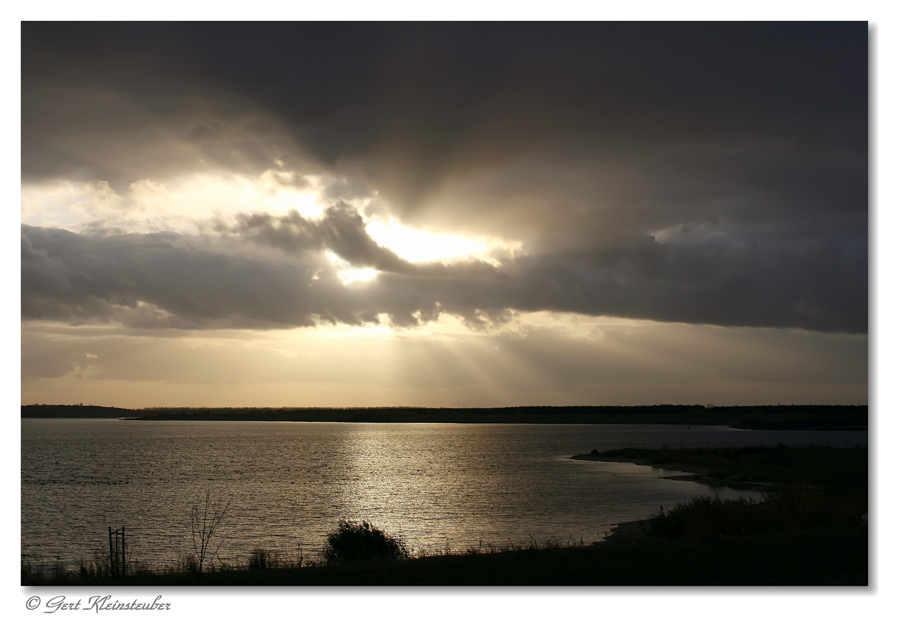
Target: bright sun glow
x,y
420,246
352,275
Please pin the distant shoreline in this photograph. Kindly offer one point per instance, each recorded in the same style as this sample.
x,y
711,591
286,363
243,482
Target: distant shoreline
x,y
808,417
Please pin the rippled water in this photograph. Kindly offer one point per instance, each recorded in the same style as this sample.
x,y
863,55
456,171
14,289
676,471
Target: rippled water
x,y
439,486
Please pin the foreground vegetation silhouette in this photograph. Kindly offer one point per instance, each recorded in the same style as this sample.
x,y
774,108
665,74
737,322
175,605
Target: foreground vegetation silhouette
x,y
355,542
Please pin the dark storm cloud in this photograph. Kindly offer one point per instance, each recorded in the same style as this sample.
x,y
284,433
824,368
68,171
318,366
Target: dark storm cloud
x,y
434,96
698,172
155,279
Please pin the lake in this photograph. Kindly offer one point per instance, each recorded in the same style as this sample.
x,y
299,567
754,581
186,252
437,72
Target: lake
x,y
441,487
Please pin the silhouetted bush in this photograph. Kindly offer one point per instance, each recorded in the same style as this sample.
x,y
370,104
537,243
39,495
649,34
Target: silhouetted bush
x,y
361,541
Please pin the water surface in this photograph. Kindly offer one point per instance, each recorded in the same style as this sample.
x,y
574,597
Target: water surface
x,y
439,486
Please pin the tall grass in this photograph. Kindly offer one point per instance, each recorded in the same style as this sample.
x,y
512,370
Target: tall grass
x,y
788,509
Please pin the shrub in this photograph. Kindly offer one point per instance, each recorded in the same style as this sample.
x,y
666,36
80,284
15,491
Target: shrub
x,y
361,541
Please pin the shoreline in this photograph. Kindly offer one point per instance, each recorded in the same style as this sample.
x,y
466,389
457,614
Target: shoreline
x,y
696,473
631,532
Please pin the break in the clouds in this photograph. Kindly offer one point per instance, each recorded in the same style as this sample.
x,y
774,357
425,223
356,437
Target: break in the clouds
x,y
183,180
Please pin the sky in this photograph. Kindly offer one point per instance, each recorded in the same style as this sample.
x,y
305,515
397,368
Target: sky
x,y
444,214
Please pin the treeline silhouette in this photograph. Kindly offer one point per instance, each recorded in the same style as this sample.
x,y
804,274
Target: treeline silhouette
x,y
748,417
74,411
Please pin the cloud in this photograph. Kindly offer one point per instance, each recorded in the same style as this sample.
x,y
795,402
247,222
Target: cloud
x,y
161,279
813,285
696,172
273,272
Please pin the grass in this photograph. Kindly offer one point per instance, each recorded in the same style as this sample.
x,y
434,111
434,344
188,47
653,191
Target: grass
x,y
783,511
